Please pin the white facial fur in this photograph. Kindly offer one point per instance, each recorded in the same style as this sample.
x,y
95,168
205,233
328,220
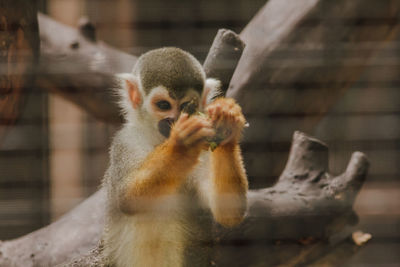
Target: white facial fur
x,y
211,89
146,116
160,93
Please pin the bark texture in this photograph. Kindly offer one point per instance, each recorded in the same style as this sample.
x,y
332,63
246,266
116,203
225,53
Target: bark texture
x,y
298,214
223,57
77,67
292,46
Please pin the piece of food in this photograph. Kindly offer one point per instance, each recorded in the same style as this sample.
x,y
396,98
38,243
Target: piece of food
x,y
221,133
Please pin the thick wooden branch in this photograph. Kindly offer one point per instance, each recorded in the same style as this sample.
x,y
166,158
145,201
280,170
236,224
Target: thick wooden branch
x,y
306,197
274,66
293,48
223,57
71,236
80,69
307,203
301,56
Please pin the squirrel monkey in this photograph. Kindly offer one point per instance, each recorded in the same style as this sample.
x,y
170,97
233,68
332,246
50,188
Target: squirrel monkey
x,y
165,187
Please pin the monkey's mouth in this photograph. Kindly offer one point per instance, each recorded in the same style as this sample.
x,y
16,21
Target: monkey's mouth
x,y
164,126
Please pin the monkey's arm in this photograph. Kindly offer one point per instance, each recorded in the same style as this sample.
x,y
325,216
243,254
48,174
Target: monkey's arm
x,y
228,181
164,169
229,185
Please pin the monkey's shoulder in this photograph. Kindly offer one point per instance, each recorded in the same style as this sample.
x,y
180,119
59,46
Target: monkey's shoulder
x,y
128,144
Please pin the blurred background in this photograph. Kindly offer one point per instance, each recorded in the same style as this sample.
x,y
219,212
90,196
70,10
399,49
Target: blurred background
x,y
56,153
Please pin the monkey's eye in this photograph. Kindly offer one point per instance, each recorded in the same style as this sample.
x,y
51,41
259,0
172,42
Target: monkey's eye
x,y
163,105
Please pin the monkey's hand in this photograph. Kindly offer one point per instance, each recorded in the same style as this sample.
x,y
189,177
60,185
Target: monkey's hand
x,y
227,118
190,133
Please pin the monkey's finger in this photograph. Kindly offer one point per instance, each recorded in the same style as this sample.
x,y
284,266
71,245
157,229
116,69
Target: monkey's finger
x,y
194,125
210,111
188,131
214,111
200,136
186,121
224,119
205,122
182,118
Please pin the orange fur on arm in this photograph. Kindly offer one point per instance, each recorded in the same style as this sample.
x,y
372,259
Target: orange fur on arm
x,y
160,174
229,185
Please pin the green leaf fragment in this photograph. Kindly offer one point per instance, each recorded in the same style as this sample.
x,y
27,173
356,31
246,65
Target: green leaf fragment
x,y
213,146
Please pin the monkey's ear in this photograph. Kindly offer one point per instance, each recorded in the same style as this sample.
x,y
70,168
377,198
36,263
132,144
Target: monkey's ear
x,y
211,90
130,89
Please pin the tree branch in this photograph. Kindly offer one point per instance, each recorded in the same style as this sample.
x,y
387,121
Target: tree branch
x,y
307,203
301,56
79,69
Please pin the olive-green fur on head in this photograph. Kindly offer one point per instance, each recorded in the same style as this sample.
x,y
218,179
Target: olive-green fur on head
x,y
172,68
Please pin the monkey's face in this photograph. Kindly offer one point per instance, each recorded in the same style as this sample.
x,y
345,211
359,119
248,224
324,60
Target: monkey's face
x,y
165,109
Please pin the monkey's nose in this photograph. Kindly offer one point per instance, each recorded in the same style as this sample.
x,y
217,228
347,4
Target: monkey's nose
x,y
164,126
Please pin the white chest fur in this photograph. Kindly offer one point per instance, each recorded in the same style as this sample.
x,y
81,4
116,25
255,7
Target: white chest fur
x,y
159,237
149,240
